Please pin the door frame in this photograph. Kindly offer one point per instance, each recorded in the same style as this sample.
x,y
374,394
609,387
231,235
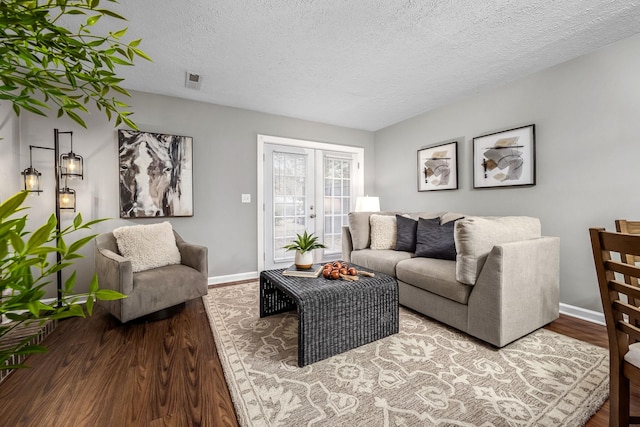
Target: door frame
x,y
315,145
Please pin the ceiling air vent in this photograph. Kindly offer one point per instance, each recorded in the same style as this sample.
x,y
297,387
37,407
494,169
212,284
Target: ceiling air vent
x,y
193,80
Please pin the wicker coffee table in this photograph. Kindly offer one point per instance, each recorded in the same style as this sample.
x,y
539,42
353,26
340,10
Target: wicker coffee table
x,y
333,315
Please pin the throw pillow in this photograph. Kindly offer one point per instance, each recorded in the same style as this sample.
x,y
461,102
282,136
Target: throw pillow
x,y
383,231
476,236
434,240
406,233
360,230
148,246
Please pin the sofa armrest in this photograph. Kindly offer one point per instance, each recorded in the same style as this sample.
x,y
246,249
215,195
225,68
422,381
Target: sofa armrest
x,y
114,271
517,290
194,256
347,244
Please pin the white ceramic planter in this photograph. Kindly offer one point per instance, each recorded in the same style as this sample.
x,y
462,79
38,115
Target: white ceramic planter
x,y
304,260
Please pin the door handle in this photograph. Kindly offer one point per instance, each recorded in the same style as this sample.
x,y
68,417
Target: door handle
x,y
312,216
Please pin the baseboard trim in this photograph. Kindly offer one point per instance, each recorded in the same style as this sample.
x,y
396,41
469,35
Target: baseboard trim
x,y
216,280
80,300
569,310
582,313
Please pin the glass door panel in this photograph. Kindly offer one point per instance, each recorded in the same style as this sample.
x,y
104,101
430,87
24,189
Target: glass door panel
x,y
338,189
289,203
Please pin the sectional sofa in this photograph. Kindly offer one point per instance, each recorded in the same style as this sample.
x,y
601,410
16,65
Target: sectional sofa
x,y
495,278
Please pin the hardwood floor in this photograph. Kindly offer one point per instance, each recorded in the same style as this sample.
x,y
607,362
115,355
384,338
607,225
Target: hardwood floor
x,y
99,372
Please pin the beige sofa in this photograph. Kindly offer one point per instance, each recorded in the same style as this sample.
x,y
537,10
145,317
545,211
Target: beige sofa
x,y
502,284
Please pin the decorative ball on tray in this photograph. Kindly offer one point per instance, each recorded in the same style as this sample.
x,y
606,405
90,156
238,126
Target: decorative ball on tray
x,y
342,270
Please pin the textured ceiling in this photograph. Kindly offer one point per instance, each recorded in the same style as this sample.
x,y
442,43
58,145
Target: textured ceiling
x,y
364,64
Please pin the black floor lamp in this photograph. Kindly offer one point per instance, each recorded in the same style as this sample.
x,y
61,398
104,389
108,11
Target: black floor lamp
x,y
66,166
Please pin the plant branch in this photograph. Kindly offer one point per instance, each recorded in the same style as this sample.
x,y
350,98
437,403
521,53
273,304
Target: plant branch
x,y
31,40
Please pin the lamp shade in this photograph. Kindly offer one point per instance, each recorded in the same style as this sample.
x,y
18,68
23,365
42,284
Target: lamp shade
x,y
67,198
368,204
31,178
71,166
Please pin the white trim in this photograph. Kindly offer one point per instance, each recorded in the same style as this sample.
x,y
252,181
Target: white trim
x,y
582,313
81,299
216,280
266,139
569,310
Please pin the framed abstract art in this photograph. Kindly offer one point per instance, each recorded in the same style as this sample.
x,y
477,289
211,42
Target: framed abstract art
x,y
438,167
505,159
155,174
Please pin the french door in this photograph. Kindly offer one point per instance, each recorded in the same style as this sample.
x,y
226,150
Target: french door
x,y
310,189
289,199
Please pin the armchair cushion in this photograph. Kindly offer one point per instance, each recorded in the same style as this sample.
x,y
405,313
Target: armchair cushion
x,y
148,246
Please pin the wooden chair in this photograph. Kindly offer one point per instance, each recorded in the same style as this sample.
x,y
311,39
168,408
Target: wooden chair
x,y
621,317
629,227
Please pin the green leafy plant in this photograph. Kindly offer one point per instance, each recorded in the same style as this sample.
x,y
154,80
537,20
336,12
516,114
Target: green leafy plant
x,y
23,253
43,63
304,243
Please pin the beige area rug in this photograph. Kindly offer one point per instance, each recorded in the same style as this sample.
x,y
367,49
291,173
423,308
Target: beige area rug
x,y
426,375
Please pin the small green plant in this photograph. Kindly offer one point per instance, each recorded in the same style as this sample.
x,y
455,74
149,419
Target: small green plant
x,y
304,243
44,64
25,271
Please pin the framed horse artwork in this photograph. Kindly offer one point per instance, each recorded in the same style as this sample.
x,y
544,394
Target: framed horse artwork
x,y
155,175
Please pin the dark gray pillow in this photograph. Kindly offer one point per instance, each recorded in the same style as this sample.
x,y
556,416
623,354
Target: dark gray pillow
x,y
434,240
406,238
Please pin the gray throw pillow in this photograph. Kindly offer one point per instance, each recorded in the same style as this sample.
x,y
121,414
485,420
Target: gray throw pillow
x,y
406,238
434,240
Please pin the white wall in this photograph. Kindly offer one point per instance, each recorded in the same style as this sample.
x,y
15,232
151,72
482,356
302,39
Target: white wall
x,y
224,167
587,117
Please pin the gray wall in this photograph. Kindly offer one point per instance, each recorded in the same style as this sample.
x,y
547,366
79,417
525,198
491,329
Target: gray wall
x,y
587,117
587,128
225,151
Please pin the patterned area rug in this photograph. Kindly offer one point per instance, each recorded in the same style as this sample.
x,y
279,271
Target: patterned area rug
x,y
426,375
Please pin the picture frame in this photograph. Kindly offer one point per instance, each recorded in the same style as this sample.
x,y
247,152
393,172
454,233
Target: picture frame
x,y
156,174
438,167
505,159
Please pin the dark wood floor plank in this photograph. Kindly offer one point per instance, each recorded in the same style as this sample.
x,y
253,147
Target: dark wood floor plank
x,y
99,372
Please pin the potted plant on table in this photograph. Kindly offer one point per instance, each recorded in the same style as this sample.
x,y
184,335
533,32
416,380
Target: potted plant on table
x,y
304,245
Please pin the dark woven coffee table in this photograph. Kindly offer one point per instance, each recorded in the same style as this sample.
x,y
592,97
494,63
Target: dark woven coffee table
x,y
333,315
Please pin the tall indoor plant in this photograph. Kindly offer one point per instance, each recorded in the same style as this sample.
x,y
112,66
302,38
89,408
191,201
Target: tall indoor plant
x,y
25,270
45,65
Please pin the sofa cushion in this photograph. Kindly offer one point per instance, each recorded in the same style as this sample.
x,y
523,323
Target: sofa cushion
x,y
147,246
435,240
416,215
383,261
437,276
383,231
406,233
476,236
360,229
450,216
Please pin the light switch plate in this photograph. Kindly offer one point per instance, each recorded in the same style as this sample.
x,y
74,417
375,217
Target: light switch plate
x,y
246,198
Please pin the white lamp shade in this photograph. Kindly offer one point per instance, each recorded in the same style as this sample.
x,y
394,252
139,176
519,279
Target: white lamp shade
x,y
368,204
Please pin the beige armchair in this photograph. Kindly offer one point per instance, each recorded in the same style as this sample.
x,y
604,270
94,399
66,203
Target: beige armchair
x,y
157,290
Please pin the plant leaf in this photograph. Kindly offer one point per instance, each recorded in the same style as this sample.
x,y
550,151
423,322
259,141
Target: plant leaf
x,y
109,295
